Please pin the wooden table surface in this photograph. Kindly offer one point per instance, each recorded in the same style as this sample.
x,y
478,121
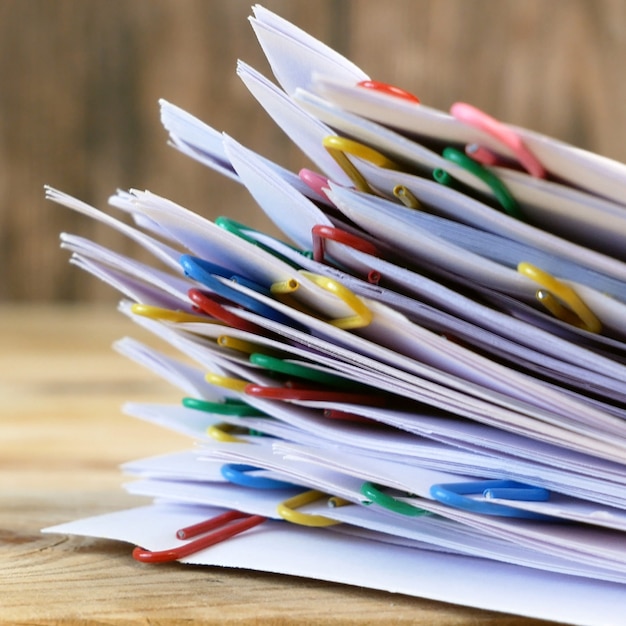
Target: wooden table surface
x,y
62,437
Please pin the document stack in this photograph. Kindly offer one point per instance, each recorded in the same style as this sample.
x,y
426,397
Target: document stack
x,y
420,387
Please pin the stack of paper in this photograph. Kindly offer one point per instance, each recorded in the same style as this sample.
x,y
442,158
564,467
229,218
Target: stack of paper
x,y
424,390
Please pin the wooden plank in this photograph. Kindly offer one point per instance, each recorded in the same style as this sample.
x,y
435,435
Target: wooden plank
x,y
61,439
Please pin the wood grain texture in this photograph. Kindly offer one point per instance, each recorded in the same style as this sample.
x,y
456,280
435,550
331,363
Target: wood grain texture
x,y
62,437
81,80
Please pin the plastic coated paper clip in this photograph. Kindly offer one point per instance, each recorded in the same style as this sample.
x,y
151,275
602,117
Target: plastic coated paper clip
x,y
575,311
231,407
389,90
243,475
321,232
499,189
222,527
479,119
375,495
287,510
457,495
338,147
362,315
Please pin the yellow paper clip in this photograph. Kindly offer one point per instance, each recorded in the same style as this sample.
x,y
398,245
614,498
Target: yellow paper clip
x,y
224,432
338,147
336,501
241,345
561,300
234,384
167,315
287,510
284,286
283,291
406,196
362,315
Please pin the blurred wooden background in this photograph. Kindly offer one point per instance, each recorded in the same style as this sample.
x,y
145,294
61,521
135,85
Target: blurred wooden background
x,y
81,80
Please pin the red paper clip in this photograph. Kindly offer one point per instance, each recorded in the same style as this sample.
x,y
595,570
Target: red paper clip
x,y
346,416
211,307
321,232
309,394
390,90
223,530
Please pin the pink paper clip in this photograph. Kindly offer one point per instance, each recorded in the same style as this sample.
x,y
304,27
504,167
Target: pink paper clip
x,y
390,90
478,119
315,182
220,524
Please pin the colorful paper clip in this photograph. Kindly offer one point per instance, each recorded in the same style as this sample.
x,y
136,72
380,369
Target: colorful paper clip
x,y
212,307
456,496
202,270
225,526
390,90
232,407
499,189
244,476
241,231
407,197
488,157
234,343
297,370
375,495
443,177
313,395
575,311
227,382
347,416
362,315
167,315
207,274
321,232
283,287
338,147
227,433
222,431
315,182
287,510
479,119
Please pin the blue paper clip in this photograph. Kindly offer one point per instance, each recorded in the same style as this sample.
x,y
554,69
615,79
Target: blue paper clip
x,y
455,495
201,267
243,475
206,273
